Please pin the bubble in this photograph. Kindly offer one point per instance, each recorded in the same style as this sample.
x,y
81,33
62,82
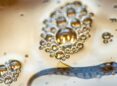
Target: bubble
x,y
47,50
66,36
8,80
61,21
77,3
87,21
3,70
76,24
42,43
106,35
59,55
54,47
53,30
15,65
71,12
49,37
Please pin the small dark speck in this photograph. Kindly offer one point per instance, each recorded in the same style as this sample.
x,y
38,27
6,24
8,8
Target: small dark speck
x,y
22,14
115,29
46,83
58,1
5,53
45,1
74,81
115,6
99,5
26,55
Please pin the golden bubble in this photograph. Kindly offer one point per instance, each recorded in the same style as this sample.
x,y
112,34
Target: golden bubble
x,y
61,21
66,36
71,12
59,55
87,21
3,69
83,12
48,37
76,24
47,50
54,47
15,65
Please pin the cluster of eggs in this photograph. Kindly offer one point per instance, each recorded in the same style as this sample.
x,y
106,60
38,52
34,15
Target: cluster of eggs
x,y
10,71
66,30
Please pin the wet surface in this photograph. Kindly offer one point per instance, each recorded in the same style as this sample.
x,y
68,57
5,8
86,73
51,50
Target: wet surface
x,y
20,28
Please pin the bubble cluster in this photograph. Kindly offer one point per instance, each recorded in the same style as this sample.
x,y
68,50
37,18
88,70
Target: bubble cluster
x,y
107,37
66,30
10,72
